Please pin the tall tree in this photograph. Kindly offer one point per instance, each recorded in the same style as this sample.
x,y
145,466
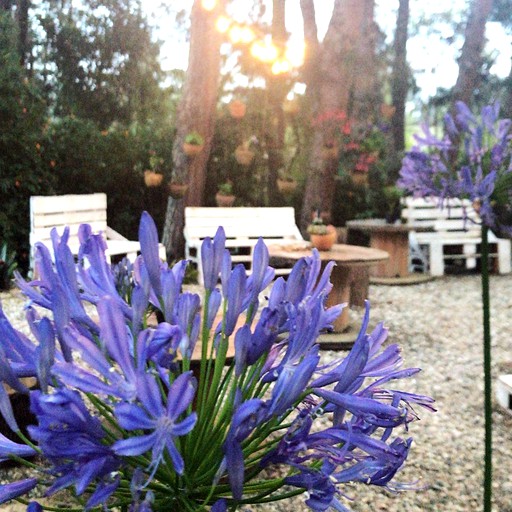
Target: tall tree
x,y
341,78
196,112
470,61
106,63
400,76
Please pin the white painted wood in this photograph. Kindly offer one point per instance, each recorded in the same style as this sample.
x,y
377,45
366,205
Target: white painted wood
x,y
48,212
504,392
243,227
453,225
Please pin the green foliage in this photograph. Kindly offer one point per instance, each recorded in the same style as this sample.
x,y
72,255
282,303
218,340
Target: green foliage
x,y
194,138
106,63
22,121
8,265
226,189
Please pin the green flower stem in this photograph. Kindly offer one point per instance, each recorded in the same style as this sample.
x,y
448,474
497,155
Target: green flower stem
x,y
487,371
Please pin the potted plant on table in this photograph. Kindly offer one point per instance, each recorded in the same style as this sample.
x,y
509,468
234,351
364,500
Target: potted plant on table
x,y
193,144
322,236
225,196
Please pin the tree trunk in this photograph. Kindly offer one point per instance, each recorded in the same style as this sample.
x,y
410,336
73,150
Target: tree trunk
x,y
400,77
277,91
22,21
342,78
507,101
196,112
470,61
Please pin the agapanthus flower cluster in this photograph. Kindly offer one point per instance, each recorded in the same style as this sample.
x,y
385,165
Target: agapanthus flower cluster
x,y
472,160
155,400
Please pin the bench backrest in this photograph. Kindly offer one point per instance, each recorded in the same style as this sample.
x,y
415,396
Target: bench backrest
x,y
453,218
47,212
243,222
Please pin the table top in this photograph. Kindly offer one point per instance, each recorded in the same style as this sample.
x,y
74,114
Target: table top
x,y
340,253
382,225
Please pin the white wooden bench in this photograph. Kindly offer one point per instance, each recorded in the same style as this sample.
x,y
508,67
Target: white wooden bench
x,y
47,212
452,227
243,227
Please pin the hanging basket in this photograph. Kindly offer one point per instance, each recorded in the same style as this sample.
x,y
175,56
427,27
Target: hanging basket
x,y
223,200
359,178
286,187
330,152
237,109
291,107
178,190
152,179
192,149
244,156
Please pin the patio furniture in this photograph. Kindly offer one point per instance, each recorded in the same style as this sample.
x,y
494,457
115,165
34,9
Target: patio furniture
x,y
455,234
47,212
349,276
243,227
394,239
504,392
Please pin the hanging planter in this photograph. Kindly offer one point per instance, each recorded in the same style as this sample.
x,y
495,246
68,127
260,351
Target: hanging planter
x,y
225,196
224,200
359,178
237,109
330,152
177,190
243,155
286,186
193,144
291,107
152,178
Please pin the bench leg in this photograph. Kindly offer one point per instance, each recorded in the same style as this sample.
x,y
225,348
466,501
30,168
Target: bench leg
x,y
436,259
504,256
469,249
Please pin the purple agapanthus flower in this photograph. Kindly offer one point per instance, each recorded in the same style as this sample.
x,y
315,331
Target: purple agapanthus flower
x,y
473,161
162,422
123,405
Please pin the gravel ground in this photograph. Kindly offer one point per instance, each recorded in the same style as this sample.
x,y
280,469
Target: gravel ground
x,y
438,325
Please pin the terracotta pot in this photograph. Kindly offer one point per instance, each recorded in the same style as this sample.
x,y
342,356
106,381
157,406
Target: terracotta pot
x,y
237,109
223,200
192,149
177,190
359,178
286,186
152,179
291,107
243,155
330,153
324,242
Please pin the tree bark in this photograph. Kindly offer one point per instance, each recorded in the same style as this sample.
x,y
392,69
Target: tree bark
x,y
400,77
196,112
470,61
341,79
277,91
22,21
507,101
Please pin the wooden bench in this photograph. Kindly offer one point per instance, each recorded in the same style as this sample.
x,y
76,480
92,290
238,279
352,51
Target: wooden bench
x,y
454,235
243,227
47,212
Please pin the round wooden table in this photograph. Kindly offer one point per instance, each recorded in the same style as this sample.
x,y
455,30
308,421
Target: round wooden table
x,y
394,239
349,277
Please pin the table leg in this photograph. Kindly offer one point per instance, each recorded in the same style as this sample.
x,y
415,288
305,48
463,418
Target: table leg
x,y
341,281
397,245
